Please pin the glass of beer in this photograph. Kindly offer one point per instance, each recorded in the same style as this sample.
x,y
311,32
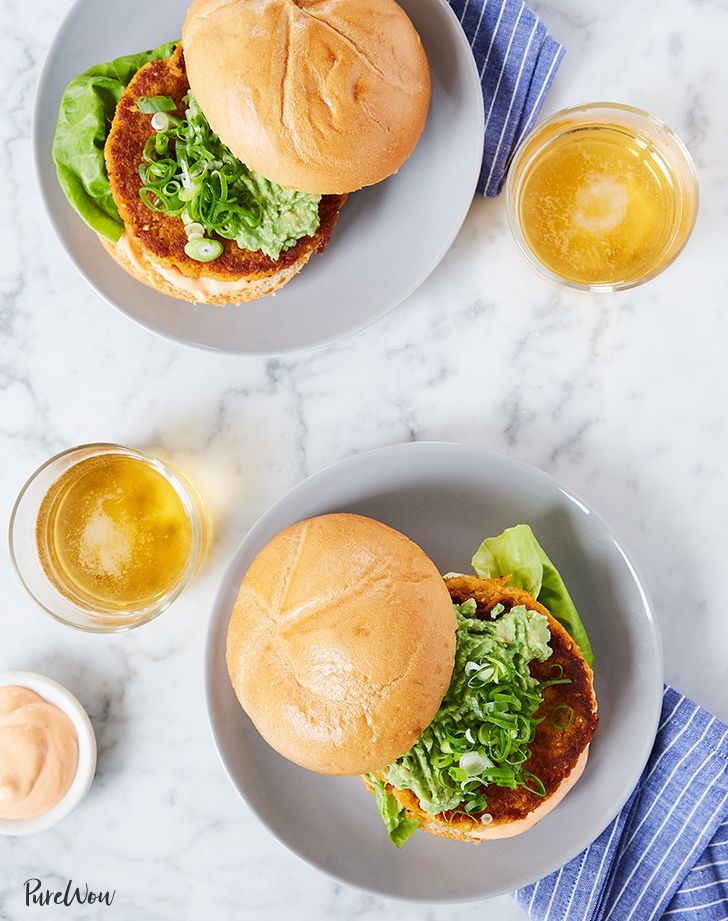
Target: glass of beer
x,y
104,538
601,197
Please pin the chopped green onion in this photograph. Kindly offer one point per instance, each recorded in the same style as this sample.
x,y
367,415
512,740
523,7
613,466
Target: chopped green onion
x,y
194,229
215,189
161,144
553,681
474,764
203,250
485,675
562,722
558,679
486,725
171,188
160,123
147,105
457,774
148,152
470,786
534,784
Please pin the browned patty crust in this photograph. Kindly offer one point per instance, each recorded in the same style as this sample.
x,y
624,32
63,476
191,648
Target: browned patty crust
x,y
162,237
554,752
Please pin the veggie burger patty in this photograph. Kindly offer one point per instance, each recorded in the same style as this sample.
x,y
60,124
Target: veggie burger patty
x,y
162,237
568,720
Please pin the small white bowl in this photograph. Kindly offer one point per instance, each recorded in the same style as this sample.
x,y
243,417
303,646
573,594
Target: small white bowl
x,y
57,695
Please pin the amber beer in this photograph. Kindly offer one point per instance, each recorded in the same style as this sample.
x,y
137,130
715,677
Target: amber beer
x,y
113,533
602,197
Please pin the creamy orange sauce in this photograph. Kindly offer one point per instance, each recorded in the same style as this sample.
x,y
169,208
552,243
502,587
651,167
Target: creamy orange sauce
x,y
195,287
128,248
38,754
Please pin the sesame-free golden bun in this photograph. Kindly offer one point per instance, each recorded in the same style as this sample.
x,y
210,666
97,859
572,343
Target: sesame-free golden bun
x,y
243,289
341,644
322,96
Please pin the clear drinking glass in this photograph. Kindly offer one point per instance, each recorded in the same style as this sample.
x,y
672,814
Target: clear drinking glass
x,y
34,529
601,197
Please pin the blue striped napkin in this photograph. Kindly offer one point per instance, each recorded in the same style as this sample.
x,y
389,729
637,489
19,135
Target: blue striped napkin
x,y
666,853
517,60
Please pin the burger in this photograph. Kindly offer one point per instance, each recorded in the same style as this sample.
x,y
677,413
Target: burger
x,y
465,702
213,168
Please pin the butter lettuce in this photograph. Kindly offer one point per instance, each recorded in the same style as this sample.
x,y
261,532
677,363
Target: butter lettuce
x,y
517,553
399,827
87,110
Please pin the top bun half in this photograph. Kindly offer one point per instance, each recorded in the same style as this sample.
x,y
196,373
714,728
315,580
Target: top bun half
x,y
341,644
322,96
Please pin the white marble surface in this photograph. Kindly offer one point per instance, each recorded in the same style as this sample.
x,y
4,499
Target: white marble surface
x,y
622,397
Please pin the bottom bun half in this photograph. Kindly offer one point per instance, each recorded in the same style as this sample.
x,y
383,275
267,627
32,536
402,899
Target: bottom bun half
x,y
463,828
199,290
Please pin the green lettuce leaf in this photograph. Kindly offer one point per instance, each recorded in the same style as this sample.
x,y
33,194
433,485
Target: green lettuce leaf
x,y
84,119
399,827
517,553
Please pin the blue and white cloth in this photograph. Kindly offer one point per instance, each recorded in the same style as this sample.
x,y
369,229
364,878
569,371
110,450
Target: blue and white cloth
x,y
517,60
666,853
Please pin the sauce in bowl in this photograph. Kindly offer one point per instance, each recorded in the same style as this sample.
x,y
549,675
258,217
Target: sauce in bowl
x,y
38,754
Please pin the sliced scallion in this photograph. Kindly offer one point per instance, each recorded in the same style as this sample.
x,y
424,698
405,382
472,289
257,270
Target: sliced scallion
x,y
562,716
533,784
160,123
203,250
148,105
474,764
484,731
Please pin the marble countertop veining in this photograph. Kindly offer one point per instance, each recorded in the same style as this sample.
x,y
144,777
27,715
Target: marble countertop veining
x,y
622,397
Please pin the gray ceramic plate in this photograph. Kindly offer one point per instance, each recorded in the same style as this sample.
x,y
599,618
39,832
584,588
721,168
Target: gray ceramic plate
x,y
448,498
388,240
